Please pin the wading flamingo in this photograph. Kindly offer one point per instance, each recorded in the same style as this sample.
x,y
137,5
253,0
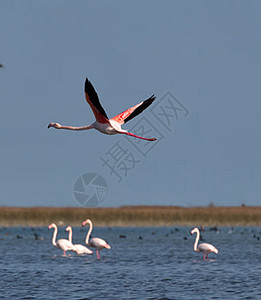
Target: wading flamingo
x,y
103,123
204,247
95,242
78,248
62,244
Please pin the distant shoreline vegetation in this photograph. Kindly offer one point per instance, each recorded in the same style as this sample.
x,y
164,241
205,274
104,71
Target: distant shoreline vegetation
x,y
128,216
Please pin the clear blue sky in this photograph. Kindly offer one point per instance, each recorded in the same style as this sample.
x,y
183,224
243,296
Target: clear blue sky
x,y
205,53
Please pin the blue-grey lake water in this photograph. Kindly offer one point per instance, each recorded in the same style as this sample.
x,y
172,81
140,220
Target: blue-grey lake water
x,y
148,263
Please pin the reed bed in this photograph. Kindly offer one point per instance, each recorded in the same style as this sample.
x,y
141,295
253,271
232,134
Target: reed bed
x,y
128,216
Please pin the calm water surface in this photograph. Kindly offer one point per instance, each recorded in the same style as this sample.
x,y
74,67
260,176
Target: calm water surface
x,y
149,263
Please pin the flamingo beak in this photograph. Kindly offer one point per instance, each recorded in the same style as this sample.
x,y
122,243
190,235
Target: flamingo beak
x,y
50,125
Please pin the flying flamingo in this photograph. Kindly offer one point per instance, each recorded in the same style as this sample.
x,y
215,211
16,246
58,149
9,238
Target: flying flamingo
x,y
204,247
95,242
103,123
78,248
62,244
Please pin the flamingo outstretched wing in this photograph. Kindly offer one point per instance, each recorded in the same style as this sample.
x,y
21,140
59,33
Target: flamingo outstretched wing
x,y
132,112
94,102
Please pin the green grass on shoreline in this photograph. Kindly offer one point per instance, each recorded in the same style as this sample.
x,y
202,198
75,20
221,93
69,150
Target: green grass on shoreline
x,y
128,216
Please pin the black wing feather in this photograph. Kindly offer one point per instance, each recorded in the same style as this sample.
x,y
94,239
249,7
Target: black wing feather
x,y
140,109
89,89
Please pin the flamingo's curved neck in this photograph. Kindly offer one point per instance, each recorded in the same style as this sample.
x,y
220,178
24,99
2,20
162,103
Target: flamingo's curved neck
x,y
88,234
54,236
76,128
196,241
70,235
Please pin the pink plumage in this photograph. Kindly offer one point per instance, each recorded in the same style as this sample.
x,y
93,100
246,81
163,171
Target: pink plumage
x,y
96,243
204,247
103,123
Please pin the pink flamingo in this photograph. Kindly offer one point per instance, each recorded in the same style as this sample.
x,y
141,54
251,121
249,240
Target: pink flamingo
x,y
103,123
78,248
62,244
95,242
204,247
